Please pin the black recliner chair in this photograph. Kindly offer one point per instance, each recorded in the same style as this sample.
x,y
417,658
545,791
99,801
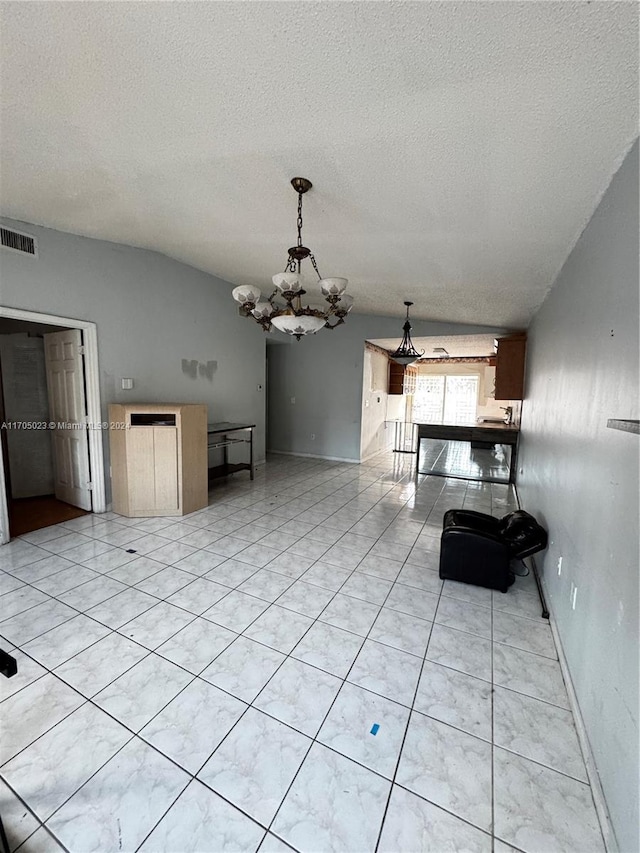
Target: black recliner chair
x,y
477,548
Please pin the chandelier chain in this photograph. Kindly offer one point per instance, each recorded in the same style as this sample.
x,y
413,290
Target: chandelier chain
x,y
299,219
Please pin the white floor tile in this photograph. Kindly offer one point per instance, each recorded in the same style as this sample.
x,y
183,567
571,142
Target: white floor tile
x,y
93,592
529,673
537,730
63,642
415,602
156,625
333,804
299,695
366,728
455,698
166,582
467,592
328,648
18,822
266,585
279,628
413,824
22,627
449,768
349,614
402,631
121,608
195,647
34,710
121,804
305,598
326,576
460,651
28,671
100,664
255,764
540,809
193,724
527,634
202,821
141,692
387,671
65,580
464,617
65,745
243,668
236,611
21,599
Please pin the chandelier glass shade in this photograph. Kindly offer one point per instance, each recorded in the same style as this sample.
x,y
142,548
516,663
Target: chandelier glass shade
x,y
286,309
406,352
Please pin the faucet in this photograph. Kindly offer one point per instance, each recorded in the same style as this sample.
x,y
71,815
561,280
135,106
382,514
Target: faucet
x,y
508,410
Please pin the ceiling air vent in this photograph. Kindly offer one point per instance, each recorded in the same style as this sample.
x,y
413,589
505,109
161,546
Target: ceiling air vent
x,y
17,241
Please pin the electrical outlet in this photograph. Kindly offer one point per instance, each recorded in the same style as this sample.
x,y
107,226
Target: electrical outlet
x,y
293,399
574,595
559,566
313,436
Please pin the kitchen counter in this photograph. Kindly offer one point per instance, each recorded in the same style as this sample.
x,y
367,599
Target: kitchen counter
x,y
484,433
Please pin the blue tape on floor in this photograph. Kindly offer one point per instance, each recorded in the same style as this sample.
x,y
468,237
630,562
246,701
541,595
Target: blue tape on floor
x,y
374,729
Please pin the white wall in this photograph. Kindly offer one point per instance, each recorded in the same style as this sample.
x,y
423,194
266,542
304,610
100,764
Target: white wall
x,y
156,318
581,480
375,433
324,374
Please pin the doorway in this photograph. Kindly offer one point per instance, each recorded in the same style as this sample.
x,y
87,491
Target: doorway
x,y
25,502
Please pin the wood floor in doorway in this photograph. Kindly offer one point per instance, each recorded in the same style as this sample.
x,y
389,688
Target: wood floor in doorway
x,y
27,514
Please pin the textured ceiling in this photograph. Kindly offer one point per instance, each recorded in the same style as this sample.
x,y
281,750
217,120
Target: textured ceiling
x,y
457,346
457,149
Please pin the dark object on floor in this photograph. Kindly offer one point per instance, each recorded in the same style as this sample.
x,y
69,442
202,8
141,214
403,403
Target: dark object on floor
x,y
8,664
478,548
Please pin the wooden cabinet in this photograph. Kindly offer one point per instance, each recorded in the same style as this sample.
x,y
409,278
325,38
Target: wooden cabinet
x,y
158,459
402,379
510,353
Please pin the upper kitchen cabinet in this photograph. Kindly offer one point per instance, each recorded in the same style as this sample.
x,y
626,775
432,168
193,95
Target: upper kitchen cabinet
x,y
510,353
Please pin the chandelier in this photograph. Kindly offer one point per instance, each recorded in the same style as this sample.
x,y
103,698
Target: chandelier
x,y
285,308
406,352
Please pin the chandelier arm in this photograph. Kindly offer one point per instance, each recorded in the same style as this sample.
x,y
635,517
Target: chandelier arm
x,y
339,322
315,266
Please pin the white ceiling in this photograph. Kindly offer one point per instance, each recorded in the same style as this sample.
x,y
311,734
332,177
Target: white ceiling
x,y
457,149
457,346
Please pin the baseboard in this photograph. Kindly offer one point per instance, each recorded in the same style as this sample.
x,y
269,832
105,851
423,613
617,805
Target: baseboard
x,y
599,800
377,453
316,456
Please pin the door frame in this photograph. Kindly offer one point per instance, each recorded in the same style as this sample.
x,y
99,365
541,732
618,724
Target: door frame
x,y
94,413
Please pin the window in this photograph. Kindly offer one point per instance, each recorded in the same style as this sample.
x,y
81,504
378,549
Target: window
x,y
445,399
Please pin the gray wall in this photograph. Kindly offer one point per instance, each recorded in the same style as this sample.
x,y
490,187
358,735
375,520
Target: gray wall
x,y
324,374
151,314
581,479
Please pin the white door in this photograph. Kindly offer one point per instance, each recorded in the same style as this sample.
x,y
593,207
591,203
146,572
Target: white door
x,y
67,411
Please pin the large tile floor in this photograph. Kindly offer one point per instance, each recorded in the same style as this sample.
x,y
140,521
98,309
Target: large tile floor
x,y
284,669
